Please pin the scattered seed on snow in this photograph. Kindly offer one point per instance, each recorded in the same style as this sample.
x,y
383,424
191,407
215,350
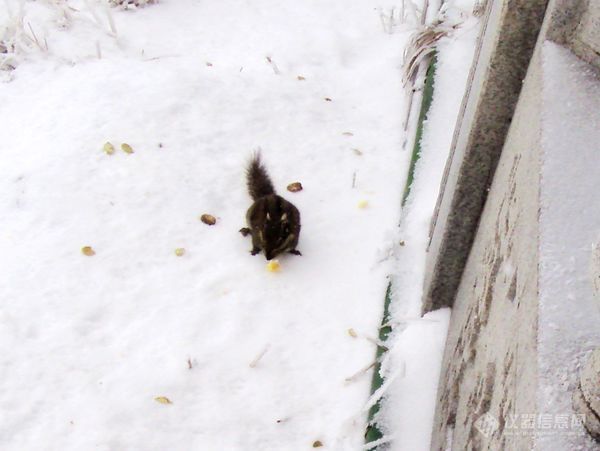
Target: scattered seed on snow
x,y
126,148
179,251
163,400
294,187
108,148
208,219
352,333
88,251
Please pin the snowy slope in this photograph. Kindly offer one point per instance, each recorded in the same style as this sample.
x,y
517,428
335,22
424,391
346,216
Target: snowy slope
x,y
88,342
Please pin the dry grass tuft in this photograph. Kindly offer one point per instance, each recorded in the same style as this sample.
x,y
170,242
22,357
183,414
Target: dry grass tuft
x,y
422,44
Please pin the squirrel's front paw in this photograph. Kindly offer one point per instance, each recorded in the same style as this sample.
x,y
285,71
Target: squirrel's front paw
x,y
245,231
295,252
255,251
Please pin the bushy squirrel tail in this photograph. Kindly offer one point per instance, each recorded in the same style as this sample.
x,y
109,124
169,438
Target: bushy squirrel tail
x,y
259,182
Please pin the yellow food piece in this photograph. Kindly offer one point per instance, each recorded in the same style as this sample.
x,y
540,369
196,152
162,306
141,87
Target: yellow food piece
x,y
126,148
88,251
108,148
352,333
163,400
273,265
363,203
179,251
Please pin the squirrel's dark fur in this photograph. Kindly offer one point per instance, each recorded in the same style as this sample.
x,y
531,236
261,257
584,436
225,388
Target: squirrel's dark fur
x,y
273,222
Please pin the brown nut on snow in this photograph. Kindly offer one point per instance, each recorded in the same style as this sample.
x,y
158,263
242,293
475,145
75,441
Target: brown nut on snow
x,y
208,219
294,187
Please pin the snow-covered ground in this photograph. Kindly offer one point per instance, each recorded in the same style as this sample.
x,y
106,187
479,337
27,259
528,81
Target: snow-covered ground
x,y
247,359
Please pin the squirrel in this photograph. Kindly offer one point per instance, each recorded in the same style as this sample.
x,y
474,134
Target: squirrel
x,y
273,222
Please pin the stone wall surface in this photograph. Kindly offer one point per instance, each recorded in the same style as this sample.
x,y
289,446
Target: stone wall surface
x,y
508,38
489,365
496,372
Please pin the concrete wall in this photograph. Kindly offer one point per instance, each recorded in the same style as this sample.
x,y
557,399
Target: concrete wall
x,y
508,37
489,364
496,372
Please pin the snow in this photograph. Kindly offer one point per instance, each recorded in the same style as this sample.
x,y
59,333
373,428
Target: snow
x,y
417,344
248,359
88,343
569,315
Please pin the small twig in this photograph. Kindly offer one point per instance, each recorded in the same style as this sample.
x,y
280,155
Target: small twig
x,y
273,65
93,13
360,372
354,180
259,356
404,320
189,362
35,39
376,396
382,19
111,21
155,58
375,443
376,342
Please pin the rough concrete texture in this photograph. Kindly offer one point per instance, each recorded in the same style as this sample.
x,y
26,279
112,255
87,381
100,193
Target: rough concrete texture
x,y
508,40
489,367
563,19
585,42
586,398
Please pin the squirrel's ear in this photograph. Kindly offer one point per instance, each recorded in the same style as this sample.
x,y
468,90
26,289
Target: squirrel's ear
x,y
284,217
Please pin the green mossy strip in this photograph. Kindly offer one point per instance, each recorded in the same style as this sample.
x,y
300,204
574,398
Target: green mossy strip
x,y
425,104
373,433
